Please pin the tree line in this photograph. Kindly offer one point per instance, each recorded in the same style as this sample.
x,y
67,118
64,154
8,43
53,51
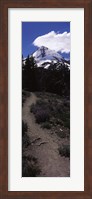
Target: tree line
x,y
49,80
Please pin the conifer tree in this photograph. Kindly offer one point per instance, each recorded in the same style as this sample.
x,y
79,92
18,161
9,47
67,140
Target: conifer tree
x,y
32,62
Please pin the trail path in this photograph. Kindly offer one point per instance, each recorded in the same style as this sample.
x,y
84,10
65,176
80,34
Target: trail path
x,y
44,145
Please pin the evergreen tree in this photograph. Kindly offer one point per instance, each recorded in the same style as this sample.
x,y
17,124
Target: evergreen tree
x,y
27,63
32,62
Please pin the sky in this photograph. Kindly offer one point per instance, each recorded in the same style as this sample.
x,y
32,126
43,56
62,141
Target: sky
x,y
54,35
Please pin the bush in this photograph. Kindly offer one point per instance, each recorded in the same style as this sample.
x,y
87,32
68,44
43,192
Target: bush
x,y
42,116
41,111
59,122
30,167
67,123
25,138
34,108
25,141
25,94
23,100
61,134
24,128
65,150
52,109
46,125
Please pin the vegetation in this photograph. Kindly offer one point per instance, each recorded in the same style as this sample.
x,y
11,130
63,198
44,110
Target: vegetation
x,y
46,125
25,141
25,138
25,94
40,79
64,150
52,111
61,134
30,167
41,111
24,128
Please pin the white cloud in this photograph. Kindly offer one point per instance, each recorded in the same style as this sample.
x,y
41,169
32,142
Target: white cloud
x,y
54,41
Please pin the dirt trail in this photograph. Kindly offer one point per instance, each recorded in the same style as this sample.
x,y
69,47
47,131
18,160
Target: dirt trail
x,y
44,145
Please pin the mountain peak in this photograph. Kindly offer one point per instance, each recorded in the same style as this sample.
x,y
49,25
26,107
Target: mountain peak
x,y
44,53
46,57
43,47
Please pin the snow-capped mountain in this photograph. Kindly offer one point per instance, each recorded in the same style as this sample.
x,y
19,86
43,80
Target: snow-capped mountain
x,y
45,57
45,54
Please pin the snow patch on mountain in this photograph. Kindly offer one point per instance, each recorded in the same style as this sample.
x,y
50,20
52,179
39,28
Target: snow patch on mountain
x,y
44,55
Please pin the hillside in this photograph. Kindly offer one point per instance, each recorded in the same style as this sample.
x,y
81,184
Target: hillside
x,y
46,136
45,114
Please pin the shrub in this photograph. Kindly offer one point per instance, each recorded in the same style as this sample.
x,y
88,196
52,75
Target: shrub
x,y
46,125
59,122
41,111
33,108
61,134
30,167
24,128
23,100
67,123
42,116
51,109
25,94
25,138
65,117
25,141
64,150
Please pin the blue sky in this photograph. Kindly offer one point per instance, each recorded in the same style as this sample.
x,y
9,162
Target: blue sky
x,y
32,30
